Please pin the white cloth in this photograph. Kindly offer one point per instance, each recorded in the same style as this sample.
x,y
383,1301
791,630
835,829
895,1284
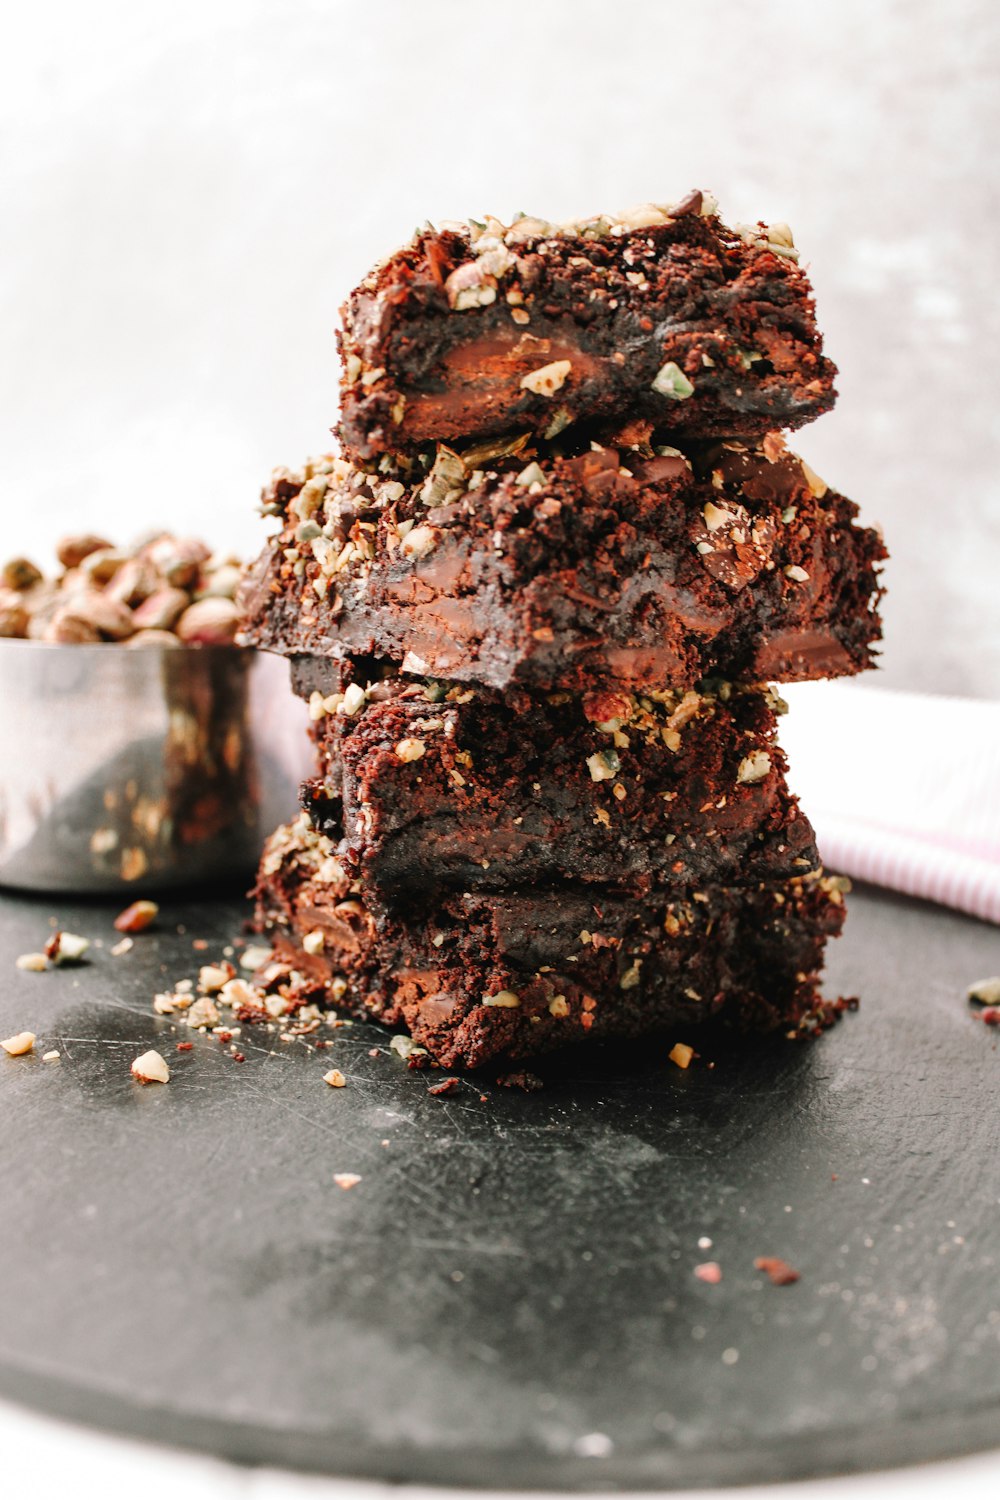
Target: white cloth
x,y
903,789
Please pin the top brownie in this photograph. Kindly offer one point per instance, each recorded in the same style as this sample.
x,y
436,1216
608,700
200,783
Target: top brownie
x,y
664,312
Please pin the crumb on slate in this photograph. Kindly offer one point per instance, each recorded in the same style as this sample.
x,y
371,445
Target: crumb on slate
x,y
150,1068
137,917
33,963
66,948
527,1082
17,1046
778,1271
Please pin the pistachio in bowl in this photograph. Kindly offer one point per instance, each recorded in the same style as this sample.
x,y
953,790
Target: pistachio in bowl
x,y
164,591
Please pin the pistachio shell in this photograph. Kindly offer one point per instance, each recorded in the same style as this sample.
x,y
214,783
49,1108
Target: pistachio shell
x,y
161,610
72,550
152,638
13,615
92,616
19,574
210,622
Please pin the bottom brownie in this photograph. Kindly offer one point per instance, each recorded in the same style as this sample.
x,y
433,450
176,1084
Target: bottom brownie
x,y
478,978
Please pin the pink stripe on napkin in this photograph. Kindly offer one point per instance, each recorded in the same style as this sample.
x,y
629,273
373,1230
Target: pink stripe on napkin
x,y
903,789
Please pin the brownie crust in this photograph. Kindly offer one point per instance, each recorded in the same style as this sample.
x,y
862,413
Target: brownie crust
x,y
631,565
664,312
480,978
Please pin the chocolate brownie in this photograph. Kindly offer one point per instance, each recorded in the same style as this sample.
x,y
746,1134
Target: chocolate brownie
x,y
477,978
430,786
631,565
663,312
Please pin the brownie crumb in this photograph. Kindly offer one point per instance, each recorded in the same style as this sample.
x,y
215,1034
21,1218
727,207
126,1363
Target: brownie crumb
x,y
778,1271
528,1083
446,1086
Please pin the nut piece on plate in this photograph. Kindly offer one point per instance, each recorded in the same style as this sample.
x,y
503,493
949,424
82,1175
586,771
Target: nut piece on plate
x,y
164,591
150,1068
32,963
17,1046
66,948
137,917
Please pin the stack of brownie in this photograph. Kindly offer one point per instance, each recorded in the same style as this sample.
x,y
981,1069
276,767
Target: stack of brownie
x,y
534,608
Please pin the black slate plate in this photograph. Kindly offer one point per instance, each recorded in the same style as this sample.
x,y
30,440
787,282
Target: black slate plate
x,y
507,1297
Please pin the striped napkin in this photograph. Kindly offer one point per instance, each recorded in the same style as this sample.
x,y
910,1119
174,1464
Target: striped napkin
x,y
903,789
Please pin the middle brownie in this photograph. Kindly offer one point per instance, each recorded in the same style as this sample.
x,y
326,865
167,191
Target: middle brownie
x,y
615,566
429,786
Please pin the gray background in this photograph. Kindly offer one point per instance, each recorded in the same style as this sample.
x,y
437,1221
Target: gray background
x,y
189,191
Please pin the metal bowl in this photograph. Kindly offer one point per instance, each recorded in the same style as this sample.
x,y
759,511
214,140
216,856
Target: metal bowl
x,y
128,771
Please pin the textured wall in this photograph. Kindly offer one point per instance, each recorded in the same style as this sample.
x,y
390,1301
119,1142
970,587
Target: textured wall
x,y
188,191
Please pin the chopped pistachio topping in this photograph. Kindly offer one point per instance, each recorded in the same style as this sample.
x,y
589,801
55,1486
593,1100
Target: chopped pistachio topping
x,y
547,379
354,699
474,296
405,1047
419,542
817,486
504,1000
489,235
533,473
561,418
715,516
754,767
603,765
670,381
